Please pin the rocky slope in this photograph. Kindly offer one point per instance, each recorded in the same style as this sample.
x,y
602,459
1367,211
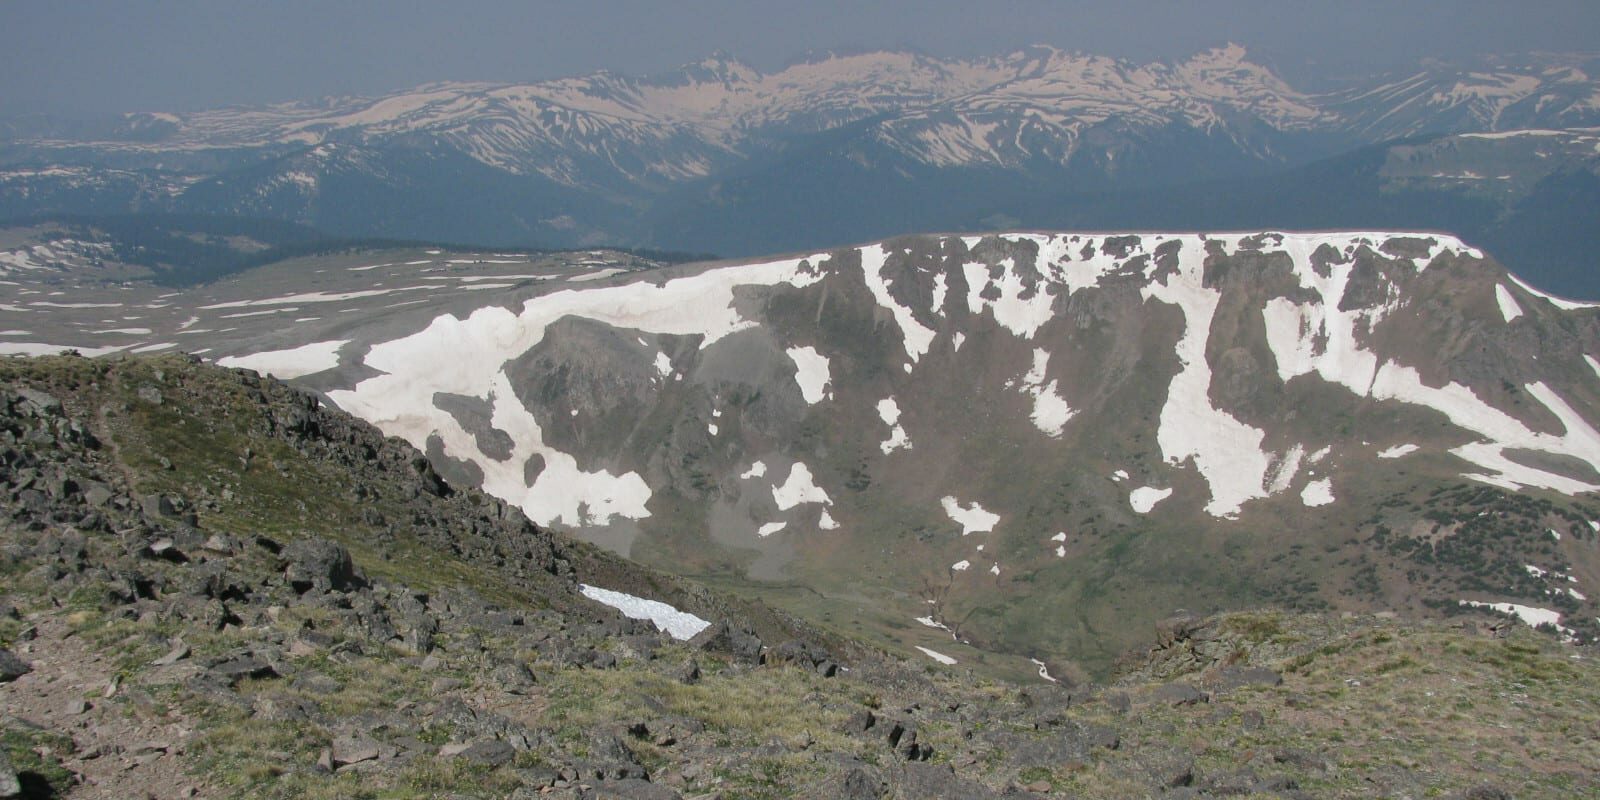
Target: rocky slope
x,y
215,587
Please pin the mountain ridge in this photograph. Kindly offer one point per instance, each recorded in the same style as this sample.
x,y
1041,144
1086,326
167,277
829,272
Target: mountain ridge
x,y
1027,430
722,157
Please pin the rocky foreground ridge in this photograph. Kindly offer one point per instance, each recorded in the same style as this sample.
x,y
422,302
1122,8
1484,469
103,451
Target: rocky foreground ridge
x,y
213,586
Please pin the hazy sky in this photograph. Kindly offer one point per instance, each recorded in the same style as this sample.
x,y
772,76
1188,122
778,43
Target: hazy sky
x,y
77,56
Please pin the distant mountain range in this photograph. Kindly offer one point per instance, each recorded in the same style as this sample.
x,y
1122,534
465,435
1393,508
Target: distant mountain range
x,y
718,156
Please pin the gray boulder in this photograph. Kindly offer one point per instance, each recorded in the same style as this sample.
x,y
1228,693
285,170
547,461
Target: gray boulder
x,y
11,667
321,566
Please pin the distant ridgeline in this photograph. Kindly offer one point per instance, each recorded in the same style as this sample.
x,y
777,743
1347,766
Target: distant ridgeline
x,y
718,156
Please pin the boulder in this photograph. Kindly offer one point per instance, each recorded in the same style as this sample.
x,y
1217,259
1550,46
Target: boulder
x,y
628,789
490,753
1229,678
11,667
10,784
921,780
722,637
318,565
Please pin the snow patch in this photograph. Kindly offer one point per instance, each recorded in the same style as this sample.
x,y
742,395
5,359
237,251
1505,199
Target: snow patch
x,y
41,349
1530,615
1227,452
1022,307
936,656
1398,451
295,362
771,528
826,521
1044,672
889,412
1145,498
916,336
1317,493
1559,302
756,470
1050,412
679,625
466,356
811,372
972,518
1508,304
961,566
311,297
798,488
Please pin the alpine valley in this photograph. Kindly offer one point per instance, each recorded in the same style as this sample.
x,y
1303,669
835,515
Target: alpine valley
x,y
1007,447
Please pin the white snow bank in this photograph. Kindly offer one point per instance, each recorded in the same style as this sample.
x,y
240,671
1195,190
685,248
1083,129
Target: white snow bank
x,y
311,297
798,488
1227,452
972,518
466,356
1398,451
1317,493
1022,316
1508,304
1145,498
917,337
771,528
811,372
294,362
41,349
1050,411
1044,672
1530,615
889,412
669,620
936,656
1559,302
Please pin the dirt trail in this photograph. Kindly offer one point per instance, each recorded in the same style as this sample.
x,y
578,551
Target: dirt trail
x,y
126,746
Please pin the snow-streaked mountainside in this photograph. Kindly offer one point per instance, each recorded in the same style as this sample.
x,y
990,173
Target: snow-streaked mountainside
x,y
1032,103
720,157
1492,94
1030,440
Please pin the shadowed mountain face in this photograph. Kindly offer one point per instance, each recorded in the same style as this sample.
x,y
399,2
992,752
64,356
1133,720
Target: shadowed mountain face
x,y
720,157
1033,443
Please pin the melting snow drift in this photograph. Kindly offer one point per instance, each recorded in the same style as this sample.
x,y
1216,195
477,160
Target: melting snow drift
x,y
669,620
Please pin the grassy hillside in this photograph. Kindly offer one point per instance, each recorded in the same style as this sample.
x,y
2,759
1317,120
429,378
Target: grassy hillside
x,y
214,587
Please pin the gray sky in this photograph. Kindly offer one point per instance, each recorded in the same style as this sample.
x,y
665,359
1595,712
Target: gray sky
x,y
82,56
